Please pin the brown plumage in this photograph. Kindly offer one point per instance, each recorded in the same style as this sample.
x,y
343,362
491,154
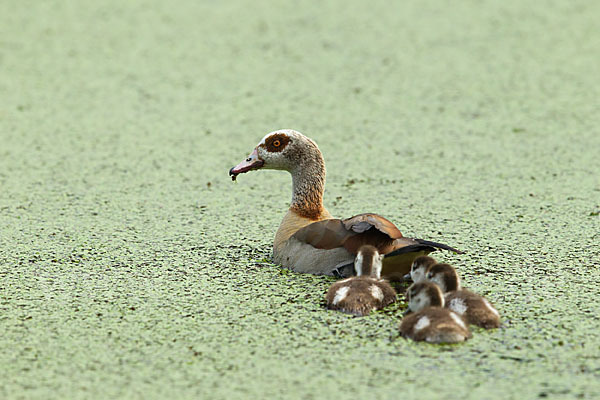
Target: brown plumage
x,y
360,295
364,293
475,309
430,321
352,233
434,325
309,240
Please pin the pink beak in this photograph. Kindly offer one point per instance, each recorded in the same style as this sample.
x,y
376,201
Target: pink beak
x,y
250,163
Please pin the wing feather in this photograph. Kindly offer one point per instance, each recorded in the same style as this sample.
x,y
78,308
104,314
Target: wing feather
x,y
326,234
362,229
363,222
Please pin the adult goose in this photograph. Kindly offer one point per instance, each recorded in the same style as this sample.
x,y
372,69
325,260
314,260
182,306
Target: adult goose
x,y
309,239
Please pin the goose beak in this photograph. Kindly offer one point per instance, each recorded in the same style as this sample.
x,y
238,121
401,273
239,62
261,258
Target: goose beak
x,y
407,278
406,312
252,162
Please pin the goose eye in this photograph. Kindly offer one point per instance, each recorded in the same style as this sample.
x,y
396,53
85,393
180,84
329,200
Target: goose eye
x,y
276,143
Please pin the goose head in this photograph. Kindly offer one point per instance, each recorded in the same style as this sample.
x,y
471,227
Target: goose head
x,y
285,149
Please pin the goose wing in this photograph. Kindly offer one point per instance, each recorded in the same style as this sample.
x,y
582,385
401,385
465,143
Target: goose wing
x,y
352,233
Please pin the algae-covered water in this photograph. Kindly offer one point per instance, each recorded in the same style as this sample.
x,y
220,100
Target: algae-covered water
x,y
132,267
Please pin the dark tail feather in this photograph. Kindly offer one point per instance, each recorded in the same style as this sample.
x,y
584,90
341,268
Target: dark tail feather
x,y
413,248
439,246
424,245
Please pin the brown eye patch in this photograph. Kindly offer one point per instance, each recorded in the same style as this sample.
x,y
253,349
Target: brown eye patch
x,y
277,142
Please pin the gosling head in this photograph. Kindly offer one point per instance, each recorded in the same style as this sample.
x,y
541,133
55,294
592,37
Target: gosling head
x,y
419,268
422,295
445,276
368,262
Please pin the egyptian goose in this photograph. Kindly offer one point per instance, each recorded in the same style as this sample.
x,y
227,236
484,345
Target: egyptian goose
x,y
430,321
475,309
365,292
309,239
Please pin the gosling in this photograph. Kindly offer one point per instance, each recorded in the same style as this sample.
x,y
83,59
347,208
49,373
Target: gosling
x,y
430,321
365,292
475,309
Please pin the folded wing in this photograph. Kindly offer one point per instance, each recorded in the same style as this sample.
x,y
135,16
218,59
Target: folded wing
x,y
352,233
